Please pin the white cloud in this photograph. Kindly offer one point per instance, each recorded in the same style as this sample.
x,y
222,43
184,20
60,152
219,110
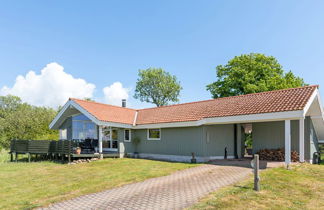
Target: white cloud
x,y
115,93
52,87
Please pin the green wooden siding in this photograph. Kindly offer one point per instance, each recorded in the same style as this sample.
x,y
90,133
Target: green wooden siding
x,y
313,141
216,138
185,140
174,141
271,135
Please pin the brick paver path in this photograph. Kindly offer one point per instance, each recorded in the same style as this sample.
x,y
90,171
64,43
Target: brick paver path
x,y
176,191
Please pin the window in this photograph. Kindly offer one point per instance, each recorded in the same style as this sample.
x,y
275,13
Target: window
x,y
114,135
83,128
127,135
63,134
105,133
154,134
110,139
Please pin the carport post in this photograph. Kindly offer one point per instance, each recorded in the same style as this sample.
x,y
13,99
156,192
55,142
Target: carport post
x,y
287,143
100,142
301,140
256,167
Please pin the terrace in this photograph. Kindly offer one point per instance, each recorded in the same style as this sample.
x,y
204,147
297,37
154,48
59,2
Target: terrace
x,y
58,150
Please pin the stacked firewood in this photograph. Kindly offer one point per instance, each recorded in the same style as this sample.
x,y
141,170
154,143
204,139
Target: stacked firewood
x,y
277,155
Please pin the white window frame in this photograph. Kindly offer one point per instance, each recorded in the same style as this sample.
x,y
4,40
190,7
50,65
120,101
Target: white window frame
x,y
153,139
130,135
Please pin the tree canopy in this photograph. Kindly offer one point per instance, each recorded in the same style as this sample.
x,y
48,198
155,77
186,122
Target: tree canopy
x,y
157,86
251,73
20,120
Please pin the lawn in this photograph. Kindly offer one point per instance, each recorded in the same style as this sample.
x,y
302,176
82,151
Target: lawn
x,y
302,187
4,156
322,154
29,185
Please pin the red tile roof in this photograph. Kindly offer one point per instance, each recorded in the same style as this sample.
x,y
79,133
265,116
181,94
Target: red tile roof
x,y
266,102
106,112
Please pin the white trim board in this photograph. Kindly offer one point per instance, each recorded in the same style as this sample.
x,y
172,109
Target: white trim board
x,y
135,118
59,115
310,101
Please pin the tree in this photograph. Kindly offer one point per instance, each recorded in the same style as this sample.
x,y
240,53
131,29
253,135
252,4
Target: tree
x,y
251,73
156,86
22,121
88,99
8,104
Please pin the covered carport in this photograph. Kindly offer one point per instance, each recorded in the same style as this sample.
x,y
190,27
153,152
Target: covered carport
x,y
300,132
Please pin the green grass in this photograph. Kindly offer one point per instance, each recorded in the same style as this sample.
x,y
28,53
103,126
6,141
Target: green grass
x,y
4,156
302,187
30,185
322,154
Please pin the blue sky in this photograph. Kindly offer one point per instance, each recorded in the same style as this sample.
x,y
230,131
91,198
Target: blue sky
x,y
104,42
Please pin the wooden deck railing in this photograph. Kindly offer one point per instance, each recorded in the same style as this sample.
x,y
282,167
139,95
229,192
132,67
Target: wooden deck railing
x,y
49,149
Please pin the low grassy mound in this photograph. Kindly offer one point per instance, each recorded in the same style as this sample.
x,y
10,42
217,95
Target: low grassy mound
x,y
302,187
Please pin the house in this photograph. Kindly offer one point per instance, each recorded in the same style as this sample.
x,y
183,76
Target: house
x,y
289,118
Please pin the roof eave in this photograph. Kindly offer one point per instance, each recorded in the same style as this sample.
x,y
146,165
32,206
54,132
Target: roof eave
x,y
264,117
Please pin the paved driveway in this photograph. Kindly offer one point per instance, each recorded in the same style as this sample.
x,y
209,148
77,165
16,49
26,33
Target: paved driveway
x,y
176,191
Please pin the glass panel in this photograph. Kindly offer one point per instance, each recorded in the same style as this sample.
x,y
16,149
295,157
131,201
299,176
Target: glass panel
x,y
115,144
105,133
77,127
114,134
154,133
127,135
84,130
105,144
90,130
